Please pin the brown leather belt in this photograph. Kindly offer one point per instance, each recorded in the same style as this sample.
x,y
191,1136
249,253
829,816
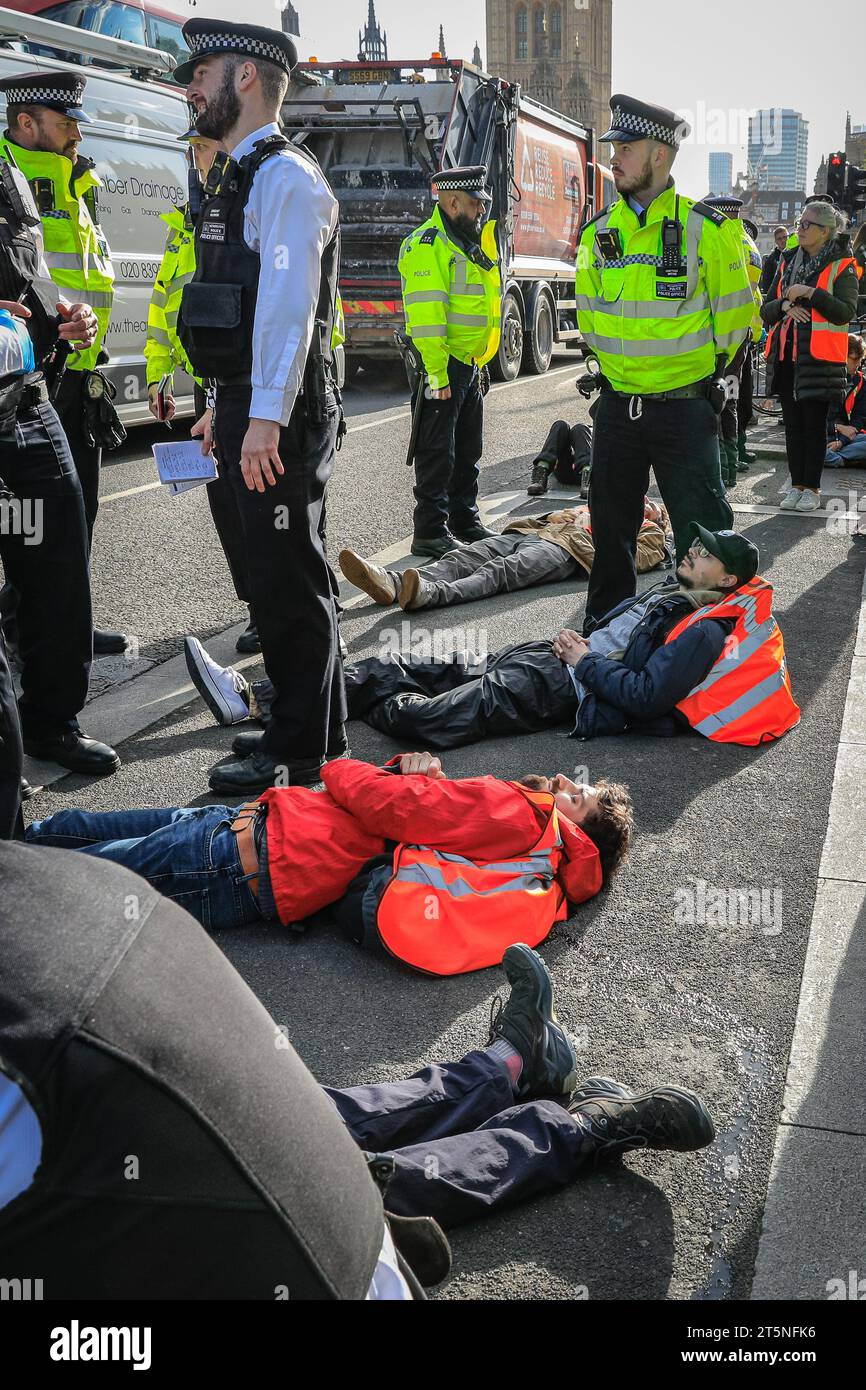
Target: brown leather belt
x,y
243,826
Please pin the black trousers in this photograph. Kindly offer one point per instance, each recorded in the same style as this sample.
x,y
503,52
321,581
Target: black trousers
x,y
448,703
678,441
52,576
11,754
447,454
805,430
226,517
567,447
745,401
291,587
69,404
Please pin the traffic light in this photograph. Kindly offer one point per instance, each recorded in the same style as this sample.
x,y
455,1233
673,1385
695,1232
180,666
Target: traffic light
x,y
836,177
855,191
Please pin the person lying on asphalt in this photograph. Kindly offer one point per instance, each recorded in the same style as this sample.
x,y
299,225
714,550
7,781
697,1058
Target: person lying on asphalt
x,y
531,550
313,1192
441,874
702,651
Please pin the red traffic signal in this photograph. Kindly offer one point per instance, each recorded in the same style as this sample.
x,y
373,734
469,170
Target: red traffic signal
x,y
836,167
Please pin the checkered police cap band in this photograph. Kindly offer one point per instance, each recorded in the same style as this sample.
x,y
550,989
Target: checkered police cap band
x,y
223,42
41,96
452,183
642,127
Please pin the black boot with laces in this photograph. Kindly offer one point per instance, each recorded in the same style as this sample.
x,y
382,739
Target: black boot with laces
x,y
669,1117
540,478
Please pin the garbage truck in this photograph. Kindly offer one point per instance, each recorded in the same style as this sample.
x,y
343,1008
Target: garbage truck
x,y
380,131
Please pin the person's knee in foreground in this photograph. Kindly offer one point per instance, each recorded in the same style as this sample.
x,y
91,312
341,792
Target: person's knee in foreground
x,y
530,551
440,874
505,1124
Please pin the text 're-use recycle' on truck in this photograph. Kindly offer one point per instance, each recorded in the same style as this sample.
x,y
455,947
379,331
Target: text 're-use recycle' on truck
x,y
379,132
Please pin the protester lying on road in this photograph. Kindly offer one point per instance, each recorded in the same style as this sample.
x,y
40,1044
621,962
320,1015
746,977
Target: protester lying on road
x,y
136,1022
565,453
531,550
702,651
444,874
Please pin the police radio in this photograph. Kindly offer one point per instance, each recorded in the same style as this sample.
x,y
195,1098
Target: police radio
x,y
672,256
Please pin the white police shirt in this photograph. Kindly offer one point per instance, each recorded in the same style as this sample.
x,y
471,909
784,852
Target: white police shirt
x,y
289,218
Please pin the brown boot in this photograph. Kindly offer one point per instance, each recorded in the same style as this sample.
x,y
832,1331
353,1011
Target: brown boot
x,y
415,591
371,578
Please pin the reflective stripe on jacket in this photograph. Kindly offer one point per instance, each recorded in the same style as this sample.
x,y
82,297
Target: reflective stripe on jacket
x,y
654,333
445,914
452,305
746,696
76,251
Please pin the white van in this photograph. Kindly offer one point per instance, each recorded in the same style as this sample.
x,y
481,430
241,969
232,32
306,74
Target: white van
x,y
137,116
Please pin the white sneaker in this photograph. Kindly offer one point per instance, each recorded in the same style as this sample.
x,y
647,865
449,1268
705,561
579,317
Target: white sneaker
x,y
224,690
789,502
809,501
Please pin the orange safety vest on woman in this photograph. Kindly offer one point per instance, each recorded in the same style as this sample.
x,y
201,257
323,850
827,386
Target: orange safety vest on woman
x,y
828,341
446,915
746,696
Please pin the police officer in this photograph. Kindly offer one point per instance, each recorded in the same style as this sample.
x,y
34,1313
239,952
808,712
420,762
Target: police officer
x,y
452,301
43,535
257,319
44,115
163,352
663,303
738,405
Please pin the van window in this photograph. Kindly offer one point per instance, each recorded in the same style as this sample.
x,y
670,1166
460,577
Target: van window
x,y
116,20
167,36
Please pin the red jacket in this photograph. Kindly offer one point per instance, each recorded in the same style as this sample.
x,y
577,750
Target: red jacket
x,y
319,841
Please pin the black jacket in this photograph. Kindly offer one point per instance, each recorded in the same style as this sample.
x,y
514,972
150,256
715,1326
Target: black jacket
x,y
813,378
642,690
839,415
768,269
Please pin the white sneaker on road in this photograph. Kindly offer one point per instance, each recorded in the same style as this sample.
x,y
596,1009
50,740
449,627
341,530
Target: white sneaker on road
x,y
224,690
789,502
809,501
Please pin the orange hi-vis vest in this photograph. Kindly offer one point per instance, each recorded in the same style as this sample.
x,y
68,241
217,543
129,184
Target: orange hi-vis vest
x,y
746,697
446,915
829,341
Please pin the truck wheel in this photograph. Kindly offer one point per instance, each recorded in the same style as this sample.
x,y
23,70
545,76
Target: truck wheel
x,y
506,364
538,347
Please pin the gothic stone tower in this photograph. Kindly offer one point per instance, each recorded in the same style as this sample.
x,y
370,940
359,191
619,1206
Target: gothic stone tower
x,y
559,52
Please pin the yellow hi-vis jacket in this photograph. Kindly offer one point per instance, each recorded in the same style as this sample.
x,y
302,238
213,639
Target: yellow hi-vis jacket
x,y
162,349
452,305
754,263
655,333
76,251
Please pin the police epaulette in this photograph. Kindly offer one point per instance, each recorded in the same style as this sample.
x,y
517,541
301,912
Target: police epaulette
x,y
584,226
428,237
712,213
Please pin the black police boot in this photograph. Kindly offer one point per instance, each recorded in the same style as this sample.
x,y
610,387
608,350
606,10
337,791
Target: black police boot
x,y
745,456
619,1120
74,751
473,532
108,643
541,472
729,462
251,740
259,771
434,547
529,1024
248,642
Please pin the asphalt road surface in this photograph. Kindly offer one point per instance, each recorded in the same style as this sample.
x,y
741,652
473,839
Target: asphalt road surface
x,y
649,998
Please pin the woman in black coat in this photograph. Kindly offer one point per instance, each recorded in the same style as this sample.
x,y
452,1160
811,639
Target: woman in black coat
x,y
808,382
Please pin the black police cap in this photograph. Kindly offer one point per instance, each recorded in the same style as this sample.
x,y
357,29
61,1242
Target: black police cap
x,y
208,36
471,178
737,553
59,91
631,119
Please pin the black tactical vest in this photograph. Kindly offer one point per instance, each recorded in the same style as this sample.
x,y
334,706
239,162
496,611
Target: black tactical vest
x,y
217,311
19,267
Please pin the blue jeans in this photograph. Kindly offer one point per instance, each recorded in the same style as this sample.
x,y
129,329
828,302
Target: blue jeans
x,y
188,855
461,1145
853,452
